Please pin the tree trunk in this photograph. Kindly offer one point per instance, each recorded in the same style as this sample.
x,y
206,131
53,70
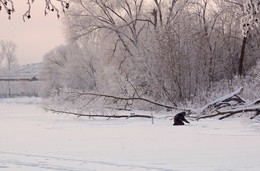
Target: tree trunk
x,y
241,71
9,90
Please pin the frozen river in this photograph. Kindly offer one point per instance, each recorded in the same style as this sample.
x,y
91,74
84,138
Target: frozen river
x,y
33,140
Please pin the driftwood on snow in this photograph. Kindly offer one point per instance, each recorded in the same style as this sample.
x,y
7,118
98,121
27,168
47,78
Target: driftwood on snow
x,y
224,101
229,105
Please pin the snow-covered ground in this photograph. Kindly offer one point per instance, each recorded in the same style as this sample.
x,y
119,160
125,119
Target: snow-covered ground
x,y
33,140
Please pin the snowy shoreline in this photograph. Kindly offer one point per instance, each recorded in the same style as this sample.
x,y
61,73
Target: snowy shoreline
x,y
22,100
32,139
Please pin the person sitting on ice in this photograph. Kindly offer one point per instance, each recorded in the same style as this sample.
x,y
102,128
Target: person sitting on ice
x,y
179,119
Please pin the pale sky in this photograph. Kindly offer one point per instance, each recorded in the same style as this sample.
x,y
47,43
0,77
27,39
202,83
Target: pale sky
x,y
36,36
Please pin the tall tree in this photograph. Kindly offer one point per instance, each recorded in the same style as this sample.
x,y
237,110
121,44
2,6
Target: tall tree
x,y
248,22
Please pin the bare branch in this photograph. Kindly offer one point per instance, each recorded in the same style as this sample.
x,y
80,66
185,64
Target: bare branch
x,y
8,5
256,114
235,3
126,99
132,115
158,5
221,100
230,105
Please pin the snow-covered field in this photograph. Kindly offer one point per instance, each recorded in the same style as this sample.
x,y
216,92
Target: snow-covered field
x,y
33,140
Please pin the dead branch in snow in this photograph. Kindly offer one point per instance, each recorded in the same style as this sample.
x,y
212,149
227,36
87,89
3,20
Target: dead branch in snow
x,y
256,114
223,107
131,115
227,113
110,102
231,99
229,105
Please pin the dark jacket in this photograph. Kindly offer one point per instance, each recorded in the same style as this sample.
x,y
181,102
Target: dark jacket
x,y
179,119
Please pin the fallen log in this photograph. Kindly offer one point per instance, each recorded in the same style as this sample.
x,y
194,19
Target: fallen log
x,y
255,115
231,112
226,106
222,102
131,115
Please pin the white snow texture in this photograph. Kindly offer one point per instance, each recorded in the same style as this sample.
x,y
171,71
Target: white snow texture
x,y
33,140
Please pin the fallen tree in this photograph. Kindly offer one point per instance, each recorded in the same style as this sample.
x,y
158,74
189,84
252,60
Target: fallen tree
x,y
108,102
232,99
100,101
229,105
131,115
223,107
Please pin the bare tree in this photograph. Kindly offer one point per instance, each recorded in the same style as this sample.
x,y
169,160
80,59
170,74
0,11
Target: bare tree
x,y
8,53
117,28
128,29
249,21
67,66
162,50
1,53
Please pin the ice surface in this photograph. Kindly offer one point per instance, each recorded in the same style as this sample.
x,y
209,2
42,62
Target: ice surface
x,y
33,140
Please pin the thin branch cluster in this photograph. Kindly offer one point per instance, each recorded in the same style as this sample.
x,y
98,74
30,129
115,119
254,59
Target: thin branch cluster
x,y
9,7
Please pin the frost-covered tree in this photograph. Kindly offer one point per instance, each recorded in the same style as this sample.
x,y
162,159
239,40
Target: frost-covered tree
x,y
1,54
68,67
8,49
53,64
116,27
250,20
168,51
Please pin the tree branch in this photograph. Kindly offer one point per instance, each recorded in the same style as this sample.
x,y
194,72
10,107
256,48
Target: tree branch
x,y
132,115
128,99
224,102
235,3
49,6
